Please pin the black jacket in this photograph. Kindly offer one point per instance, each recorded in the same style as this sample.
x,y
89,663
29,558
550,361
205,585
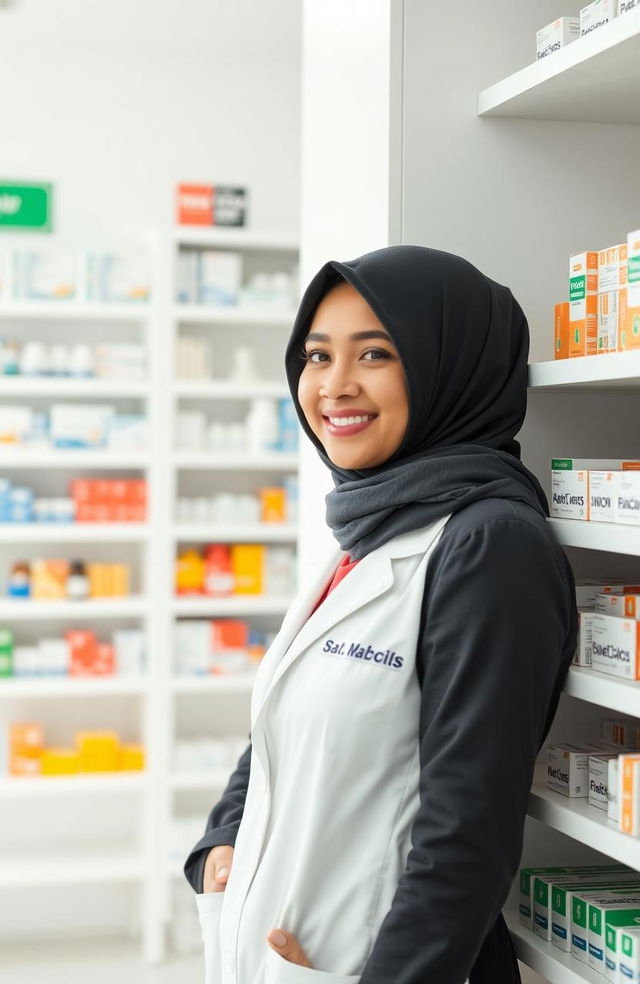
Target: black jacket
x,y
498,635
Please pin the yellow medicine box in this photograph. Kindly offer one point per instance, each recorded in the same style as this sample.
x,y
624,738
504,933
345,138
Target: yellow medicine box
x,y
131,757
247,564
59,762
99,751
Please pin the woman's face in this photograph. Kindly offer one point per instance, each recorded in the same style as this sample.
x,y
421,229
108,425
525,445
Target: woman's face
x,y
352,369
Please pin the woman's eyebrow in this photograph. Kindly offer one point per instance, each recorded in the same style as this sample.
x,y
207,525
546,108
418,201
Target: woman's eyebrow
x,y
316,336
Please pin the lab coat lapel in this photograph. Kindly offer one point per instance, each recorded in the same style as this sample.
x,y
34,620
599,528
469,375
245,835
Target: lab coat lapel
x,y
371,578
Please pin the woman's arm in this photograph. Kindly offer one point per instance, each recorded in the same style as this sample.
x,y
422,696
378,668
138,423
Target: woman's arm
x,y
222,823
499,635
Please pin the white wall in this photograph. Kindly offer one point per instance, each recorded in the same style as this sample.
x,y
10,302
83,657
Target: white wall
x,y
350,171
118,102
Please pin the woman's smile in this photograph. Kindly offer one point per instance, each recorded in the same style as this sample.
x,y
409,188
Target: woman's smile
x,y
344,423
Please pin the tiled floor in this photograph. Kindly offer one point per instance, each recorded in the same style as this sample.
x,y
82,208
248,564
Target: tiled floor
x,y
93,962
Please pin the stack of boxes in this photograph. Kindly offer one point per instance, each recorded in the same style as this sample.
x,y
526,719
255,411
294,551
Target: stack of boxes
x,y
94,751
78,653
596,490
603,312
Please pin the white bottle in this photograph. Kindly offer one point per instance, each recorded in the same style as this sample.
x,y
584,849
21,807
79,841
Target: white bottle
x,y
243,369
263,431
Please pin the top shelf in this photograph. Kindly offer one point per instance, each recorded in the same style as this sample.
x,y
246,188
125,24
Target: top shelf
x,y
238,238
594,79
74,311
610,371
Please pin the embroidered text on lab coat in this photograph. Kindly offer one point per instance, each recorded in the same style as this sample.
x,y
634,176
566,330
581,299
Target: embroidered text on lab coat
x,y
354,650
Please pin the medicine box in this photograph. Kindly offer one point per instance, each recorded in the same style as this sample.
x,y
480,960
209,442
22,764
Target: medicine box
x,y
580,918
617,731
568,768
599,780
614,648
612,604
528,877
612,268
613,807
570,478
627,511
596,15
610,311
603,486
594,885
556,35
543,891
585,639
629,953
220,276
630,335
561,331
629,793
583,304
625,912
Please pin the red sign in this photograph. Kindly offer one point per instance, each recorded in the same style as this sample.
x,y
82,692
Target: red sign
x,y
195,204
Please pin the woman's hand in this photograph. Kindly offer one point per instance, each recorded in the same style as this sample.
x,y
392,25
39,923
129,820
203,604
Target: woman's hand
x,y
217,868
287,946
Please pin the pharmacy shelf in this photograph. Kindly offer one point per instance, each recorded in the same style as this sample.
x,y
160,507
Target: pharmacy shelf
x,y
575,818
64,686
607,691
233,533
73,311
592,80
73,532
238,238
203,779
104,864
612,537
210,461
227,607
221,389
28,609
76,458
69,388
117,782
232,683
261,316
546,959
609,371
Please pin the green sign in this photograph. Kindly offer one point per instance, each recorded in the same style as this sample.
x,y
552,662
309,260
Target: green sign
x,y
25,206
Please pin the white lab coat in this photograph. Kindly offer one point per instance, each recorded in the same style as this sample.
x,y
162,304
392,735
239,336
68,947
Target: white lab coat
x,y
333,786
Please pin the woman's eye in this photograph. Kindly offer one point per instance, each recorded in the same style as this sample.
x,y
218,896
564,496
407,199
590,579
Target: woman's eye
x,y
376,354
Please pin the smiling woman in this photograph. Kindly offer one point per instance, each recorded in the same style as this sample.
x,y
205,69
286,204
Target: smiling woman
x,y
353,393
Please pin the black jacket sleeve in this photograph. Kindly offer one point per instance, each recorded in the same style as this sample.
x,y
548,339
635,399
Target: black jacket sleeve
x,y
222,823
499,634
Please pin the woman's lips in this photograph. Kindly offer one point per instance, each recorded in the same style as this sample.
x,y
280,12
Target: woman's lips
x,y
345,430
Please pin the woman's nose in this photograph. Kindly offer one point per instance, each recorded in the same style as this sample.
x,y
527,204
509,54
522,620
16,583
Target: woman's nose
x,y
339,381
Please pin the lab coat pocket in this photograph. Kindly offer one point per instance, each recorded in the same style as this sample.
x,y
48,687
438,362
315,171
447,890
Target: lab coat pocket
x,y
281,971
209,905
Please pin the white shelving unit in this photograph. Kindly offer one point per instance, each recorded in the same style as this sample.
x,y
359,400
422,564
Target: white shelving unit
x,y
159,698
590,80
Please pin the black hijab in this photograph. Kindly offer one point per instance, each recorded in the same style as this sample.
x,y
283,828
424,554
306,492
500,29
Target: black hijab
x,y
463,341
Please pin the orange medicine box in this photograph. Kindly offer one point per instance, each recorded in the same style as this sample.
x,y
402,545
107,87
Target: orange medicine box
x,y
273,503
561,323
26,744
228,633
49,579
83,649
583,304
247,564
629,793
99,751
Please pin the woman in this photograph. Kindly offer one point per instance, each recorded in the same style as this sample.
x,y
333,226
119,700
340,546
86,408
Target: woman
x,y
377,814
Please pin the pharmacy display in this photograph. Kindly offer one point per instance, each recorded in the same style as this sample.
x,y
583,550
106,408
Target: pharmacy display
x,y
76,653
564,30
603,311
57,273
26,754
73,425
220,278
90,500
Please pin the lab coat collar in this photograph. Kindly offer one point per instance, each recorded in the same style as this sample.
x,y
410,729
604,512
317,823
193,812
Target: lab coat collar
x,y
372,577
